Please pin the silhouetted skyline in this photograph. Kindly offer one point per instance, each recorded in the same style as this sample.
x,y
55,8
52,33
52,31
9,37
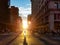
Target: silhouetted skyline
x,y
24,7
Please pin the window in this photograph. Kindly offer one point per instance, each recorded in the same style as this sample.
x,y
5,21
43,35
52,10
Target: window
x,y
54,16
57,5
58,16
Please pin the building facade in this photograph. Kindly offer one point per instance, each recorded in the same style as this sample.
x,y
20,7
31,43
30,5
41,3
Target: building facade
x,y
4,14
19,24
29,18
15,19
14,13
29,21
46,15
4,10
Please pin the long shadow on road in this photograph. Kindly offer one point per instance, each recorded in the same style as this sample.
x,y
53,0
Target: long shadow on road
x,y
25,43
12,40
44,41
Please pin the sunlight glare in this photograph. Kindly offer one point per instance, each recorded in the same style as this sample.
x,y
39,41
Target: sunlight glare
x,y
24,32
29,22
25,25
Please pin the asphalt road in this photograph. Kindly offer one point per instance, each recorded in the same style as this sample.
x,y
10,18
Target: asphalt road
x,y
29,40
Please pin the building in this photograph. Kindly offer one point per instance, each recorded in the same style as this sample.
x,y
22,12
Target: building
x,y
35,9
46,15
4,10
19,23
29,20
14,13
15,19
4,15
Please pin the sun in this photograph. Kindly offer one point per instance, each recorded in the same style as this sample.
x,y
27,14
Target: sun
x,y
25,24
25,27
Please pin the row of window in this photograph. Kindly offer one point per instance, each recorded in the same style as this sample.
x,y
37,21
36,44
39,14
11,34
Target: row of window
x,y
57,16
57,5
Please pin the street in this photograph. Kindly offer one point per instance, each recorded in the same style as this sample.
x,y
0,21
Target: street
x,y
7,38
28,39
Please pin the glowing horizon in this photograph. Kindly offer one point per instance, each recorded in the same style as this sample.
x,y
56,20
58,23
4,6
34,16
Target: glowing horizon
x,y
25,24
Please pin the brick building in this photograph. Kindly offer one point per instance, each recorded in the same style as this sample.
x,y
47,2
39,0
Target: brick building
x,y
15,19
46,15
4,14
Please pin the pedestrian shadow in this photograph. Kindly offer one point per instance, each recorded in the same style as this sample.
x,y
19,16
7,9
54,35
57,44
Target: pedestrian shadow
x,y
25,43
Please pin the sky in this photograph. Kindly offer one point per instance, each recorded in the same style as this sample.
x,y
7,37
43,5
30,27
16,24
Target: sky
x,y
24,7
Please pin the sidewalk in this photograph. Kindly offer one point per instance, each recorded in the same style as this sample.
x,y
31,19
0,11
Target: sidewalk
x,y
52,40
52,37
6,38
